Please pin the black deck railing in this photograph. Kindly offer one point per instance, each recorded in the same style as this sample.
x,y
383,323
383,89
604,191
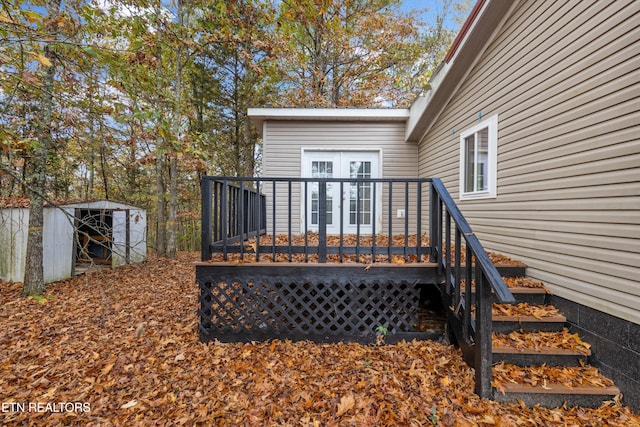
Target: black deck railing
x,y
232,212
235,209
225,223
470,318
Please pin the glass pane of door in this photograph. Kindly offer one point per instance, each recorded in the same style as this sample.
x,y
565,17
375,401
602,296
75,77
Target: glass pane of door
x,y
360,194
321,169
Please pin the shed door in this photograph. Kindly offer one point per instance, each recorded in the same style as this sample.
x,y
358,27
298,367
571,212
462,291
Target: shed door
x,y
119,237
354,205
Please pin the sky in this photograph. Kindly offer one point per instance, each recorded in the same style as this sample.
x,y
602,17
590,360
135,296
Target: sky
x,y
432,6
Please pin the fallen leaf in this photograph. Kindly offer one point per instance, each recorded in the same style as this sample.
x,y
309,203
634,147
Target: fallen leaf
x,y
107,369
346,403
488,419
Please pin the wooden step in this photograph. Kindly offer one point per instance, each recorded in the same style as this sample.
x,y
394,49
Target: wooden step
x,y
556,395
552,386
526,317
548,356
511,269
530,295
506,324
524,289
540,348
523,294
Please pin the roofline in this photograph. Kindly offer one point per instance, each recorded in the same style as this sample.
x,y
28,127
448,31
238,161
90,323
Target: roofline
x,y
23,203
464,30
484,22
259,115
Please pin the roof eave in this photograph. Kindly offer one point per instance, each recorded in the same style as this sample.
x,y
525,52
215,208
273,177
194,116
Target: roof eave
x,y
485,22
259,115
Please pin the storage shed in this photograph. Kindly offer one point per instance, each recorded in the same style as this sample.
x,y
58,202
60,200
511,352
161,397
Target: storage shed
x,y
75,236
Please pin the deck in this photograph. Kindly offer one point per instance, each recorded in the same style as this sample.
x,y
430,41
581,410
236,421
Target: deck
x,y
301,265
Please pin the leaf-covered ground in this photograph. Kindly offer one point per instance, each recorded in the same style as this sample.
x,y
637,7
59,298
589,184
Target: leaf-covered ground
x,y
120,347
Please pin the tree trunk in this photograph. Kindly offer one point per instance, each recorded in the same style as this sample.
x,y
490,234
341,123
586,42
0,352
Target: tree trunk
x,y
34,274
173,162
161,220
173,207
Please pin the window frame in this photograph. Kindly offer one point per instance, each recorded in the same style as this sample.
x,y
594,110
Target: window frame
x,y
492,160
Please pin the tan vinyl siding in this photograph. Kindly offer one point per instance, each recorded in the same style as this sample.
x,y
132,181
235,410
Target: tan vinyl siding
x,y
283,144
564,79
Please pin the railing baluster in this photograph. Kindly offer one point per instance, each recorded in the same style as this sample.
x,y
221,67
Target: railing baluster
x,y
290,202
233,229
241,218
342,201
419,220
456,272
322,222
433,196
258,219
373,222
273,220
306,221
216,211
358,213
468,267
447,250
390,237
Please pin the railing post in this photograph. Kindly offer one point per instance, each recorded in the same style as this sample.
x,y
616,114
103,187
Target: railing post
x,y
205,241
224,220
240,210
257,213
322,221
433,230
483,350
419,220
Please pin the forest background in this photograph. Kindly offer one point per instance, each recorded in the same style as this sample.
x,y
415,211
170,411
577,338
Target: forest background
x,y
135,100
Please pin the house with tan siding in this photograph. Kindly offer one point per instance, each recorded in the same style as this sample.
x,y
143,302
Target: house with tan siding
x,y
330,143
533,124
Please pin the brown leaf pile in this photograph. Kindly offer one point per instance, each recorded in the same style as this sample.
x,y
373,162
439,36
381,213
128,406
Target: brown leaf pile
x,y
123,345
348,240
569,376
524,309
515,282
522,340
522,282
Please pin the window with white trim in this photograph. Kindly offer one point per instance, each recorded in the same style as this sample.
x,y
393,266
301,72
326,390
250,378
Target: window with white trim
x,y
478,160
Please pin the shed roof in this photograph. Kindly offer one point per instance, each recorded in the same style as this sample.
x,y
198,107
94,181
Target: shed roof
x,y
23,202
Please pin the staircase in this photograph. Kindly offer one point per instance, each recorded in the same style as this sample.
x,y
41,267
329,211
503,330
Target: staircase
x,y
536,359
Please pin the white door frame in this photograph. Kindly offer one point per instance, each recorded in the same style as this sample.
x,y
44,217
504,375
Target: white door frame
x,y
341,169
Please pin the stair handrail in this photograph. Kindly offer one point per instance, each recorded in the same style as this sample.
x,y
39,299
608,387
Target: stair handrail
x,y
487,279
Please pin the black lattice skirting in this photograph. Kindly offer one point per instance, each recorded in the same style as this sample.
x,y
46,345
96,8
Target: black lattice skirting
x,y
328,303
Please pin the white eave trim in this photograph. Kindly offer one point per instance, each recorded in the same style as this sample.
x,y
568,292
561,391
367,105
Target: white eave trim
x,y
427,107
259,115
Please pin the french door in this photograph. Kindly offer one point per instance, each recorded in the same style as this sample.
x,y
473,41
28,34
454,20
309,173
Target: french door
x,y
354,205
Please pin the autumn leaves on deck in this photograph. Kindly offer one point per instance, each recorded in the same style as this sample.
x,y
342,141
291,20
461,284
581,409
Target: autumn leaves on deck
x,y
381,243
